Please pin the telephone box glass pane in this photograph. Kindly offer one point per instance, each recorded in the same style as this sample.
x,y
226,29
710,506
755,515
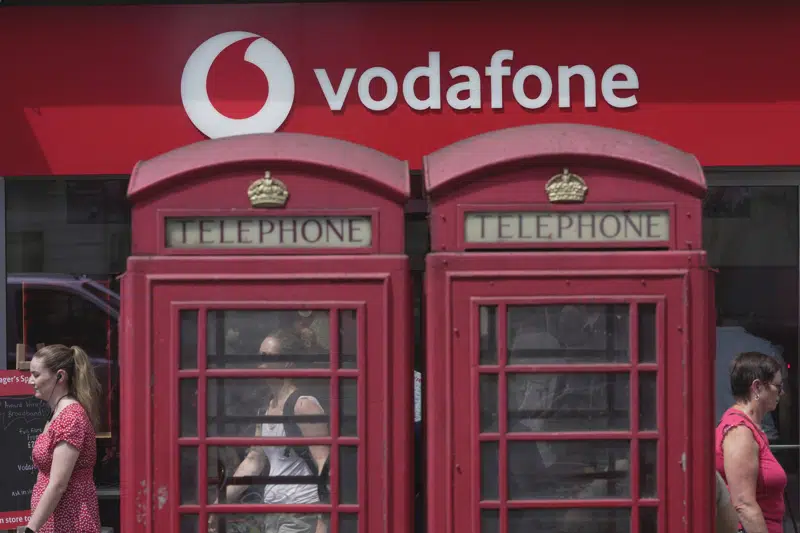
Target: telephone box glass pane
x,y
585,520
568,402
488,406
647,333
490,466
577,470
188,338
490,521
648,400
238,338
348,407
189,481
240,407
190,523
348,339
188,406
348,523
488,338
348,475
267,481
648,468
648,519
558,334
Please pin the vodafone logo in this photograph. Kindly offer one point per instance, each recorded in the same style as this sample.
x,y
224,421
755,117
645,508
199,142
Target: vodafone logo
x,y
261,53
502,80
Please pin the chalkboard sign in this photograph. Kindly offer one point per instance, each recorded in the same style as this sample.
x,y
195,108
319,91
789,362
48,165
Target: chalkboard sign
x,y
22,419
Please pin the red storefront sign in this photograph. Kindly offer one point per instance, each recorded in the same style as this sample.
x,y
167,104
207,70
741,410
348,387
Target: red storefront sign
x,y
95,89
15,383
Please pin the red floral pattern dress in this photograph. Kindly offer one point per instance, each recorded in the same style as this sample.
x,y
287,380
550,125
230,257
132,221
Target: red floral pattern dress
x,y
77,512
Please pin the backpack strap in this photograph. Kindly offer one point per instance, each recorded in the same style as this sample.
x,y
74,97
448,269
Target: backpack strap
x,y
289,424
293,431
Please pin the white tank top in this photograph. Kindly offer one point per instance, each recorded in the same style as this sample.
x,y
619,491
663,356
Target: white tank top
x,y
284,461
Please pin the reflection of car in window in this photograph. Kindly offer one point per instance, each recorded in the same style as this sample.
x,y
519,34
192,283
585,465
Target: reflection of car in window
x,y
70,310
104,293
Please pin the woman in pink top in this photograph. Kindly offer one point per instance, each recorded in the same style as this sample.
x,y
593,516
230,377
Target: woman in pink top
x,y
755,478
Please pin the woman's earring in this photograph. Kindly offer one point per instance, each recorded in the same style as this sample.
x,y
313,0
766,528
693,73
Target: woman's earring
x,y
756,396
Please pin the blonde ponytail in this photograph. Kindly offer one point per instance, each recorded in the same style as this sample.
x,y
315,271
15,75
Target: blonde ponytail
x,y
84,385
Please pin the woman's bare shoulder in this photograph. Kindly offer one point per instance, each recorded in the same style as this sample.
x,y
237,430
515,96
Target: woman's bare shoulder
x,y
739,439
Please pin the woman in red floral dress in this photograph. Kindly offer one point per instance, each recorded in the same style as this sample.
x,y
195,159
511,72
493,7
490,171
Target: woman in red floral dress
x,y
64,498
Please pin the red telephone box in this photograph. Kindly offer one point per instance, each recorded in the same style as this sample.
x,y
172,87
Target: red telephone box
x,y
569,380
264,265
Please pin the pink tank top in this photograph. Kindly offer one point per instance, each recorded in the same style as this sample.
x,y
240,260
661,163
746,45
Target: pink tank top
x,y
771,476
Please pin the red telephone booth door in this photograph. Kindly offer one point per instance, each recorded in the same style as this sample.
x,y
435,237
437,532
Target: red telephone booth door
x,y
208,328
573,372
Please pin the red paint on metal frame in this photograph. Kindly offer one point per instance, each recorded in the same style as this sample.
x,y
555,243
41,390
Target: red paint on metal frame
x,y
377,286
363,166
323,176
508,170
457,283
544,143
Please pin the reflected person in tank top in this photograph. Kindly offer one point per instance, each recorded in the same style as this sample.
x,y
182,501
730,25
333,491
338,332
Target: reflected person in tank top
x,y
283,461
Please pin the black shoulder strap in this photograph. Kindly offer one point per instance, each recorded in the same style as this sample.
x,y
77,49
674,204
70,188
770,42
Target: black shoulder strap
x,y
293,431
289,424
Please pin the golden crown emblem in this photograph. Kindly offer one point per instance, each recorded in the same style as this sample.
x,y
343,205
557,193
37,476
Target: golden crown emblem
x,y
267,192
566,188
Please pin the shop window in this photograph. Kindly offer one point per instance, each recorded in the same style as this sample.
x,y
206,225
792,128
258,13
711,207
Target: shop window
x,y
68,226
750,231
65,314
67,241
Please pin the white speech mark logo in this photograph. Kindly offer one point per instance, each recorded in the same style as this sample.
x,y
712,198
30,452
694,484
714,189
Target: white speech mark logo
x,y
261,53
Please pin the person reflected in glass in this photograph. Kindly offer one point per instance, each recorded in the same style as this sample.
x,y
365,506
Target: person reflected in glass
x,y
313,327
755,479
552,402
295,461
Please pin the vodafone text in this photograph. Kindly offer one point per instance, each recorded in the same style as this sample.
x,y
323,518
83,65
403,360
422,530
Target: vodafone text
x,y
378,88
465,92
